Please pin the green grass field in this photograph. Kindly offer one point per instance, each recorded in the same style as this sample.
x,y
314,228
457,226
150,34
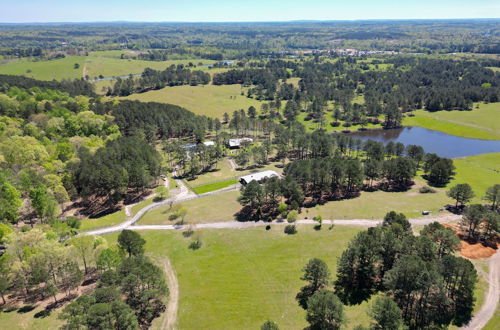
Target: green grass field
x,y
209,100
480,123
110,67
106,63
241,278
45,70
214,186
105,221
223,171
481,172
214,208
19,319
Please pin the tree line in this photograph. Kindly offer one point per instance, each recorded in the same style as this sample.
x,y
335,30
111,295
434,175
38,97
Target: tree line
x,y
153,79
72,87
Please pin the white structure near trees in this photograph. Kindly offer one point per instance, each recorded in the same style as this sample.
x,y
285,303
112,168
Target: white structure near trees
x,y
259,176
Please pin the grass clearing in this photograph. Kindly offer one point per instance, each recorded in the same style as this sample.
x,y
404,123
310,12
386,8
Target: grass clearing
x,y
479,123
104,221
241,278
210,100
45,70
223,171
214,186
214,208
19,318
481,172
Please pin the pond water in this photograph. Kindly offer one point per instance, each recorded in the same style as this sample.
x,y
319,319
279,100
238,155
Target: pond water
x,y
443,144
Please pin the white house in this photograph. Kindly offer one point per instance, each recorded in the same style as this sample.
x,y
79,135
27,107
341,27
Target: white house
x,y
236,143
259,176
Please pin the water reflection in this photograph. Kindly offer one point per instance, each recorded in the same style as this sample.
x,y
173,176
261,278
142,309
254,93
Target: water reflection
x,y
443,144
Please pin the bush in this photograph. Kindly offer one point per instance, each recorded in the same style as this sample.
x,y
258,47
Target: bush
x,y
290,229
346,124
268,227
73,222
426,190
196,244
188,232
335,124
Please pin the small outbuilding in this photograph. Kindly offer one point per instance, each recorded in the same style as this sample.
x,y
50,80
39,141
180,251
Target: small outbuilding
x,y
259,176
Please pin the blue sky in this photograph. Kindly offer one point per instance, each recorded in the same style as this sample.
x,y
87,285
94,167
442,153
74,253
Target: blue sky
x,y
249,10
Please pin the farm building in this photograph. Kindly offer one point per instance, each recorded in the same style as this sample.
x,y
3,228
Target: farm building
x,y
258,177
236,143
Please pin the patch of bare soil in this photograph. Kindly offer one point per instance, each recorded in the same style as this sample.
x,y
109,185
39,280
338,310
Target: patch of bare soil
x,y
475,251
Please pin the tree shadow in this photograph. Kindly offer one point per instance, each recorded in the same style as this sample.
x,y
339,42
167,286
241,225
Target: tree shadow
x,y
303,295
26,309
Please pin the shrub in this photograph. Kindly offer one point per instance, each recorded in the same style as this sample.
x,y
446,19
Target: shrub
x,y
196,244
290,229
268,227
426,190
335,124
188,232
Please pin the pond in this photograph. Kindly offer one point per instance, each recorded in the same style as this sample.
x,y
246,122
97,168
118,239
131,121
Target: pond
x,y
443,144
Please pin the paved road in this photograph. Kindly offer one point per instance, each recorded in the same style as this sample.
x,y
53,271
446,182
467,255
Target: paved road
x,y
490,303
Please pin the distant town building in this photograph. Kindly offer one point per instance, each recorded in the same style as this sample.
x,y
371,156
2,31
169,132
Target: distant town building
x,y
258,176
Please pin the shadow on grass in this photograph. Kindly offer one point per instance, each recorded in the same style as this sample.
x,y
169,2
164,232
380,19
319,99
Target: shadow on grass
x,y
26,309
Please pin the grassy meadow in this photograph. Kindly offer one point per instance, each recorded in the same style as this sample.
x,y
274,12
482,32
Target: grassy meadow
x,y
483,122
209,100
45,70
107,64
241,278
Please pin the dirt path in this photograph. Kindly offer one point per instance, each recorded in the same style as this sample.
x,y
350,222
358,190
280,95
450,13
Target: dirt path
x,y
170,317
84,71
490,303
252,224
233,164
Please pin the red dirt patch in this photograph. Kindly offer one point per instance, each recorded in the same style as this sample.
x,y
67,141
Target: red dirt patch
x,y
475,251
468,249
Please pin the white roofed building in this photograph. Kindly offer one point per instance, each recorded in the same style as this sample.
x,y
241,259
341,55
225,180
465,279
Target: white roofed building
x,y
236,143
259,176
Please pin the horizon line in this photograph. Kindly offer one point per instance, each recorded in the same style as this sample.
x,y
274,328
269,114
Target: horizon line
x,y
256,21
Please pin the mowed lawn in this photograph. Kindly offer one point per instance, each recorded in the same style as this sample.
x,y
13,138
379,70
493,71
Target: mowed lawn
x,y
481,172
26,318
241,278
45,70
479,123
210,100
214,208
